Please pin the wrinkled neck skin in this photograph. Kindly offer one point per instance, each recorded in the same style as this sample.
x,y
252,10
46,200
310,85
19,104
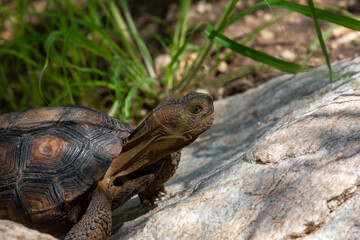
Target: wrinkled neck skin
x,y
149,142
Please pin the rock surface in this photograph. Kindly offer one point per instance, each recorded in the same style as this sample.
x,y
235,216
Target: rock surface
x,y
282,161
14,231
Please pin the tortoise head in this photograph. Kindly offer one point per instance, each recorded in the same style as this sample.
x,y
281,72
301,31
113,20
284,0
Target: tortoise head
x,y
171,126
176,122
186,117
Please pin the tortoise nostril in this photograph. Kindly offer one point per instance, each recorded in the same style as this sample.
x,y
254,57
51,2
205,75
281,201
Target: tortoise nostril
x,y
118,182
209,99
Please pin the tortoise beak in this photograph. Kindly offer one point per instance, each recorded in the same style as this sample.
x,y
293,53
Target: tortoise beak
x,y
209,104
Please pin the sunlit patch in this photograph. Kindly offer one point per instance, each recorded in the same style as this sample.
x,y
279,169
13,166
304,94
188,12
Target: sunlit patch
x,y
84,115
45,116
4,120
108,145
49,149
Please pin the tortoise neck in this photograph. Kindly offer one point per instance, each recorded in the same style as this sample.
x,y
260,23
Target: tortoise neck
x,y
148,131
149,142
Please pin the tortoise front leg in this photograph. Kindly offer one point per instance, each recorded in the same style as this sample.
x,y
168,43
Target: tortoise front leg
x,y
96,222
133,187
156,189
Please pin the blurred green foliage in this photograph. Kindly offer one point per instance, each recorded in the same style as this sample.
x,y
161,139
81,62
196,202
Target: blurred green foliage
x,y
94,56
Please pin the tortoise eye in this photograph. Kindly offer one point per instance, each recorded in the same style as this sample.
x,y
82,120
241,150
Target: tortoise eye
x,y
195,109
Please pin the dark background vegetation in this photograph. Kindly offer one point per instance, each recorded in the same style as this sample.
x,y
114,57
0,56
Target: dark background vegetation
x,y
123,58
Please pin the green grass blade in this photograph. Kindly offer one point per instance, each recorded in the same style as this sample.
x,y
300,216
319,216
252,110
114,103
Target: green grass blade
x,y
94,13
338,9
320,37
25,57
234,75
48,43
181,24
304,10
273,13
56,100
123,31
225,17
198,63
313,46
117,66
131,94
67,36
251,53
161,40
175,58
98,83
87,69
20,6
140,43
89,45
114,109
265,25
247,39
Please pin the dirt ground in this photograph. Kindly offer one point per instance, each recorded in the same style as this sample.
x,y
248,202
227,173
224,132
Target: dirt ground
x,y
290,43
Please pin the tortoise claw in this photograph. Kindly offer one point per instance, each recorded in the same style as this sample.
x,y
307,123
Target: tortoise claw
x,y
149,198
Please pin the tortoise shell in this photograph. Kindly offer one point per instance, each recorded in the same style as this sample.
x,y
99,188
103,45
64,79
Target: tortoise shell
x,y
51,157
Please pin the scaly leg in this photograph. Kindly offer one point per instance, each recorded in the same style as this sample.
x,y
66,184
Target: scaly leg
x,y
156,189
96,222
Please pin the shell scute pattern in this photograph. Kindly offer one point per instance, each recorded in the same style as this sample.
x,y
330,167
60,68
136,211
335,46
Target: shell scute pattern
x,y
31,118
39,197
49,152
11,205
51,156
9,160
71,186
